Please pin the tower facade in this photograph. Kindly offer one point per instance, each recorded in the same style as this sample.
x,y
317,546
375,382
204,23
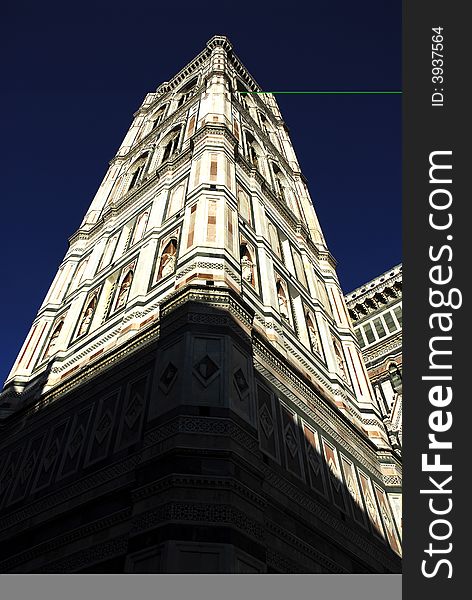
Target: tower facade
x,y
376,312
191,396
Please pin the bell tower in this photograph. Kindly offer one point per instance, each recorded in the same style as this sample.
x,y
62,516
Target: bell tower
x,y
198,315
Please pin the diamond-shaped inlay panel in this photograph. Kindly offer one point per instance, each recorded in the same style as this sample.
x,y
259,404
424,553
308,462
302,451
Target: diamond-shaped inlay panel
x,y
291,440
241,384
335,474
103,427
314,460
28,467
76,442
206,369
51,454
133,410
7,477
266,421
168,377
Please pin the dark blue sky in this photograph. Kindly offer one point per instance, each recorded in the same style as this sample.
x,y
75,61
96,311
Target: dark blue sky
x,y
73,76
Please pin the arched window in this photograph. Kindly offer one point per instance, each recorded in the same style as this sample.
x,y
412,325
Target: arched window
x,y
264,124
252,151
240,87
247,265
87,316
158,117
171,142
136,170
186,91
123,293
50,349
168,260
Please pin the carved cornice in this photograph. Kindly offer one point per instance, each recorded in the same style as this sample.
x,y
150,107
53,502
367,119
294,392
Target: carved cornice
x,y
388,284
382,349
214,129
214,298
197,482
223,514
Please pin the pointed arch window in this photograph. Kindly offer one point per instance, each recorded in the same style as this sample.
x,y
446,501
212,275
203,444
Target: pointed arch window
x,y
168,260
253,152
171,142
158,117
137,170
186,91
264,124
240,87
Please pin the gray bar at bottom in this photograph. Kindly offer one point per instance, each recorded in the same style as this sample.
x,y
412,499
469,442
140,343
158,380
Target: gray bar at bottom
x,y
201,587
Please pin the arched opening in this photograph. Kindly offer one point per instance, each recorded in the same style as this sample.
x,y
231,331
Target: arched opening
x,y
168,260
243,97
264,124
186,91
158,116
253,151
136,170
171,142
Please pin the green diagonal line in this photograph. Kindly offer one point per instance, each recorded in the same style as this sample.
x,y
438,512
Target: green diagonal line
x,y
327,92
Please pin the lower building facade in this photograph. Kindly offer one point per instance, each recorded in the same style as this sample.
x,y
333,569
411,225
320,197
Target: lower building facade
x,y
195,447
